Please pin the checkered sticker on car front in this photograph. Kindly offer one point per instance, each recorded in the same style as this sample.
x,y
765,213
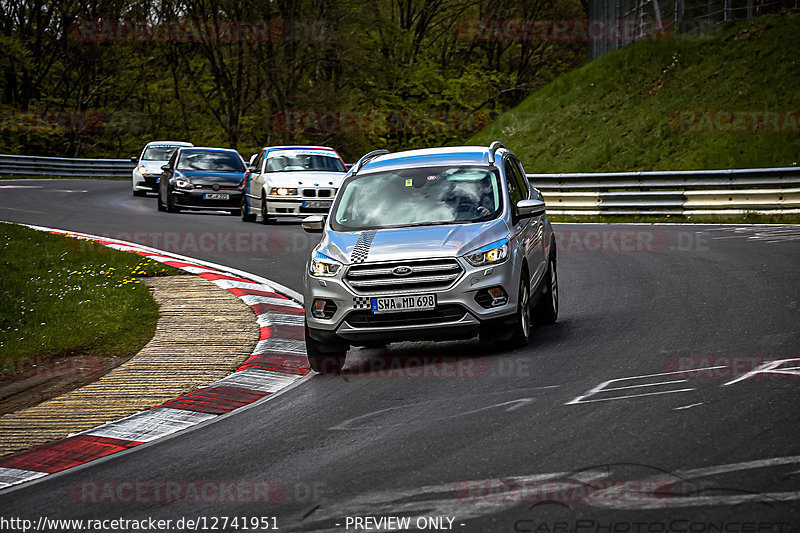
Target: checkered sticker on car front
x,y
360,302
361,249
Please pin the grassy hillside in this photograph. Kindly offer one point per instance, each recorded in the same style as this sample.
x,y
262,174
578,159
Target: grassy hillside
x,y
635,108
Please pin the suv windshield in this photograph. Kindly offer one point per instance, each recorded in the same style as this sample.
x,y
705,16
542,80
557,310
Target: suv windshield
x,y
303,160
158,153
418,197
210,161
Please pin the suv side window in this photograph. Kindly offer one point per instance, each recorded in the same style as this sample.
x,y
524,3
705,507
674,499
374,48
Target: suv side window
x,y
522,180
515,192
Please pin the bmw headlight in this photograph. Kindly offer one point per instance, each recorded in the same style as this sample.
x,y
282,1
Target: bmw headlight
x,y
322,266
183,183
491,254
283,191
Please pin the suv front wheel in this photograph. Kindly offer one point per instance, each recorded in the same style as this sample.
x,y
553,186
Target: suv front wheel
x,y
522,324
324,358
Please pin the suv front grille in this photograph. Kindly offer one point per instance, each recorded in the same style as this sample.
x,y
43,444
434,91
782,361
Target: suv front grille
x,y
444,313
423,275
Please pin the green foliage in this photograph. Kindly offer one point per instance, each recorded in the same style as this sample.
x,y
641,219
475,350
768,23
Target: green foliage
x,y
344,58
621,112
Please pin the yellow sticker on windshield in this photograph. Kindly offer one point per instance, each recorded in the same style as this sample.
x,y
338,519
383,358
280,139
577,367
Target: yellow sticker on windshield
x,y
410,182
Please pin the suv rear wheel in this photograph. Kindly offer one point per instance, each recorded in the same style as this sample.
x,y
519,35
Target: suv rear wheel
x,y
546,309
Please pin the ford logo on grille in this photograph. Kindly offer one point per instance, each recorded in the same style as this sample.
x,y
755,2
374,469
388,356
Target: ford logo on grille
x,y
401,271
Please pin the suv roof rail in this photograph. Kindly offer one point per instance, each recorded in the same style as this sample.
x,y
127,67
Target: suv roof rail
x,y
496,145
366,157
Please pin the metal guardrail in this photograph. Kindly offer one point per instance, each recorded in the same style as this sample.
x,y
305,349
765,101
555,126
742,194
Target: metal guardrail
x,y
62,166
670,192
692,192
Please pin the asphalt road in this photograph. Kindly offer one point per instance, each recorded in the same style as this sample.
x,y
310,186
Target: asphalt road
x,y
538,439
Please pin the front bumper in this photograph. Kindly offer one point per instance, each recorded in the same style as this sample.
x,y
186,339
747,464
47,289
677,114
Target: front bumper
x,y
195,199
145,182
298,205
457,313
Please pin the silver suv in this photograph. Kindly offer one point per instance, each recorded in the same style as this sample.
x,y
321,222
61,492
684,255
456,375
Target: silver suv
x,y
433,244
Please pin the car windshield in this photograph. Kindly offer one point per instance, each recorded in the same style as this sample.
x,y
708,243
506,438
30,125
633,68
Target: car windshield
x,y
206,161
158,153
418,197
303,160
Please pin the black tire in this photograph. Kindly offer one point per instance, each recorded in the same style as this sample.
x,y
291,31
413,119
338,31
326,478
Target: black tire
x,y
324,359
139,193
247,216
171,204
159,203
265,219
546,309
522,325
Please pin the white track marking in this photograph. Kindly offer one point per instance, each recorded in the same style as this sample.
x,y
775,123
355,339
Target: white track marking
x,y
687,406
618,501
244,285
352,424
257,379
603,387
284,346
13,476
150,425
770,367
279,319
252,300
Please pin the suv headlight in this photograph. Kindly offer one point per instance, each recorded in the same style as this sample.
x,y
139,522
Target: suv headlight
x,y
283,191
182,183
322,266
491,254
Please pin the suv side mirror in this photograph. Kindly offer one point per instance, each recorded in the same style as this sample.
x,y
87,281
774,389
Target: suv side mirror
x,y
165,168
313,224
134,160
530,208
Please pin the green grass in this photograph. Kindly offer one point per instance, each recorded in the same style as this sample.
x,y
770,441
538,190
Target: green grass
x,y
620,111
63,296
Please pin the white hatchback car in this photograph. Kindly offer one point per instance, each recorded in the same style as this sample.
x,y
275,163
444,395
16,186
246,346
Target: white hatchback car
x,y
148,165
291,181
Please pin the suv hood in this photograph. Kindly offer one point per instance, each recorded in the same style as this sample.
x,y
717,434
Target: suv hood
x,y
304,179
403,244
